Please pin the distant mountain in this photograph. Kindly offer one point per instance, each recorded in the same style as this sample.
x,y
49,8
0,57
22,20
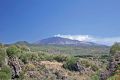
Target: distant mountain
x,y
65,41
22,43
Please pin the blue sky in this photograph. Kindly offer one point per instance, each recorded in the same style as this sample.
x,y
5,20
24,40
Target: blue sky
x,y
32,20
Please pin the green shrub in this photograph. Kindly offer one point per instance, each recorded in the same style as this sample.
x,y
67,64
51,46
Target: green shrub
x,y
85,63
23,47
34,57
45,56
12,51
60,58
2,56
51,57
70,62
95,77
5,73
25,57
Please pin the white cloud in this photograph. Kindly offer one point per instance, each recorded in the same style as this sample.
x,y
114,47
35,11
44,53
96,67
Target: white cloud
x,y
100,40
76,37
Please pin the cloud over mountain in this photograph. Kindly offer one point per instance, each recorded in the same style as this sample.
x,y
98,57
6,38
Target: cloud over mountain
x,y
99,40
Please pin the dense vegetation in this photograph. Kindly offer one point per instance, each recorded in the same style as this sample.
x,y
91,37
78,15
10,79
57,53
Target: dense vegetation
x,y
53,62
72,50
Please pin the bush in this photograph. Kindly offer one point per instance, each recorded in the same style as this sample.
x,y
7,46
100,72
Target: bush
x,y
23,47
12,51
95,77
5,73
34,56
51,57
85,63
2,56
60,58
25,57
45,56
70,62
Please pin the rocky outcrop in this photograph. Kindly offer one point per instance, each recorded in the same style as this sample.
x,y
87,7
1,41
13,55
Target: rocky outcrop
x,y
15,67
79,67
112,66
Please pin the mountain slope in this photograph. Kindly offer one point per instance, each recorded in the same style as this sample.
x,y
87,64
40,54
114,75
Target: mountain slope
x,y
65,41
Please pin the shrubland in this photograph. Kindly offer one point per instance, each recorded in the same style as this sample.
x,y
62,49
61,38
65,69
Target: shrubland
x,y
48,63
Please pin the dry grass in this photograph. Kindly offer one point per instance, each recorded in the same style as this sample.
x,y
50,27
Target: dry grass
x,y
56,66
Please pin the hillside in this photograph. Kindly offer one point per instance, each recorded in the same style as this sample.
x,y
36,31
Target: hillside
x,y
65,41
73,50
18,61
58,45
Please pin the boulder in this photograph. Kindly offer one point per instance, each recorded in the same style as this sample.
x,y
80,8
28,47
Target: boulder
x,y
15,67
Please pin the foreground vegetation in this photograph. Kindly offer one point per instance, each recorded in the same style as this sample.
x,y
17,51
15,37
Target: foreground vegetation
x,y
52,62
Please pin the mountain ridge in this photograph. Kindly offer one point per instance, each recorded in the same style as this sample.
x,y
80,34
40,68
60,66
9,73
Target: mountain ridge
x,y
65,41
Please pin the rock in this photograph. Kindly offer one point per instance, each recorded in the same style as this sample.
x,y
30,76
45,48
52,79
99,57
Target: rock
x,y
34,74
112,67
80,68
60,75
104,75
15,67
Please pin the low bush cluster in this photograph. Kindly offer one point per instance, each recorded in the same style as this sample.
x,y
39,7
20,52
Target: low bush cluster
x,y
5,73
12,51
70,62
85,63
2,56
